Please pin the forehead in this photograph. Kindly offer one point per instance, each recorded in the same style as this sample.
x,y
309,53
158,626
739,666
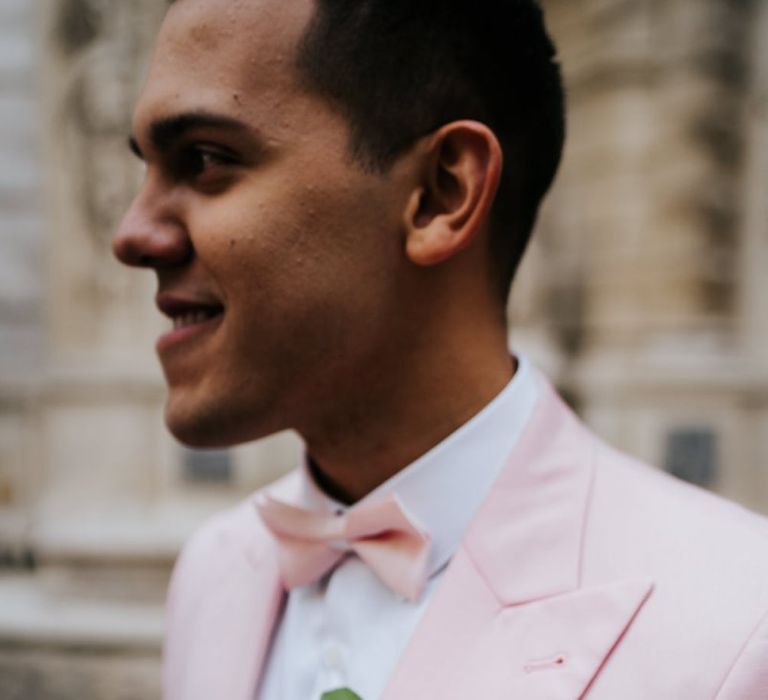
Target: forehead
x,y
211,50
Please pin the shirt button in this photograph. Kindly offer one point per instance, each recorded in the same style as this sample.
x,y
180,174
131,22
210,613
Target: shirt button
x,y
333,657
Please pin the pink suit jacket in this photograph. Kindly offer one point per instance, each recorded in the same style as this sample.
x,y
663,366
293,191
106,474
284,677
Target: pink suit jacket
x,y
584,575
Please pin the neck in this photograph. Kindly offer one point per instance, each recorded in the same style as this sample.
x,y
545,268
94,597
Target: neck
x,y
411,405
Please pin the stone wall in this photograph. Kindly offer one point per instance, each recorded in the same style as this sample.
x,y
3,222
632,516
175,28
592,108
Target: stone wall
x,y
22,229
647,289
21,191
646,214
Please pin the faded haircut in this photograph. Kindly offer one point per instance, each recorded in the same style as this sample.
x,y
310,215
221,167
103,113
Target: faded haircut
x,y
400,69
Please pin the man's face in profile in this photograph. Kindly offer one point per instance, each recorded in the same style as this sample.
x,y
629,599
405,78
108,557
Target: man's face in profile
x,y
277,257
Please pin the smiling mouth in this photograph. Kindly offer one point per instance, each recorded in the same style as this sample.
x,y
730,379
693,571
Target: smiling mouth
x,y
191,318
189,326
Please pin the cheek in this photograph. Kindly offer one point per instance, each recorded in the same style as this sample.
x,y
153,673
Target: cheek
x,y
299,252
241,239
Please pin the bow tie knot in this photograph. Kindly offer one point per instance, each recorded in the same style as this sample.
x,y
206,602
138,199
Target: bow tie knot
x,y
310,544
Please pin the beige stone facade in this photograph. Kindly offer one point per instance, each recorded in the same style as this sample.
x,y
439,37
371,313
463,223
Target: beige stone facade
x,y
657,234
645,296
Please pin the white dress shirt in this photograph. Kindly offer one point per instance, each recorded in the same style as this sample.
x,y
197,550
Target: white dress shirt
x,y
349,629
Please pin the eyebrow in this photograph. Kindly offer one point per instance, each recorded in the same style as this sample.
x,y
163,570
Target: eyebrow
x,y
165,132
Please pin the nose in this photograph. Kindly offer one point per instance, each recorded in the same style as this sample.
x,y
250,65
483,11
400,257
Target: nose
x,y
150,235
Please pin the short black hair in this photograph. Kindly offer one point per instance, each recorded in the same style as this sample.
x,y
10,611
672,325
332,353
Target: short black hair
x,y
400,69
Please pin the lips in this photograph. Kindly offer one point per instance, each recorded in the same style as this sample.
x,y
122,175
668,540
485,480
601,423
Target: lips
x,y
192,315
188,307
190,318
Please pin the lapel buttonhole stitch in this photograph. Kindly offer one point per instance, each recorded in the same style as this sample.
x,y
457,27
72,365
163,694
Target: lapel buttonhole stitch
x,y
552,662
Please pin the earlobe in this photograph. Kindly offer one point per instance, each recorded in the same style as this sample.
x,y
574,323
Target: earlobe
x,y
427,240
462,167
428,247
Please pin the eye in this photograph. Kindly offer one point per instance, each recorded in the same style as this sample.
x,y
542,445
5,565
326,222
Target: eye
x,y
204,165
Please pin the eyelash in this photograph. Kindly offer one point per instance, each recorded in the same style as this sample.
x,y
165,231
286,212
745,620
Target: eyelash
x,y
194,161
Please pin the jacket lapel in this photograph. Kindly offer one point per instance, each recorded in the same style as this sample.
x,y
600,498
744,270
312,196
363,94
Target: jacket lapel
x,y
509,619
222,632
235,630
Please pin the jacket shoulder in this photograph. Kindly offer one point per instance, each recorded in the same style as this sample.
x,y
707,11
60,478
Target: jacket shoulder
x,y
220,540
668,522
228,533
208,553
704,624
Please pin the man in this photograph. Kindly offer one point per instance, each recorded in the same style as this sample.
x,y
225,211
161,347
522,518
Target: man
x,y
337,195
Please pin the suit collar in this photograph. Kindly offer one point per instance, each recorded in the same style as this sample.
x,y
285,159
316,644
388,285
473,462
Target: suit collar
x,y
444,488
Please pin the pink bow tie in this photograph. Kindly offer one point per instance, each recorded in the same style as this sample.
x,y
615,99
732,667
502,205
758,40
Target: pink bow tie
x,y
380,533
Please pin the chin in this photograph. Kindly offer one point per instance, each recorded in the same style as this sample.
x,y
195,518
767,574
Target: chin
x,y
211,428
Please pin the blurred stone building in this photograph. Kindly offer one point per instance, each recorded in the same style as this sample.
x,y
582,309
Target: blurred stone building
x,y
645,296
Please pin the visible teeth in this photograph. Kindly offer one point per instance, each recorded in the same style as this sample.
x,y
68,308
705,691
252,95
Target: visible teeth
x,y
191,317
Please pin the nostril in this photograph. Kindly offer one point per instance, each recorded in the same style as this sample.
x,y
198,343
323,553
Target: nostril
x,y
145,261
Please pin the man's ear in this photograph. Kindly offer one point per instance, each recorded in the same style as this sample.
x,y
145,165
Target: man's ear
x,y
463,162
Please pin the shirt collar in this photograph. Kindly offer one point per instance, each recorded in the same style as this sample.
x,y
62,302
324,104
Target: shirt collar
x,y
443,489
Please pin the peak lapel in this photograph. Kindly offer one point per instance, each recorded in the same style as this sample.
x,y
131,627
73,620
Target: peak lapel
x,y
509,619
549,649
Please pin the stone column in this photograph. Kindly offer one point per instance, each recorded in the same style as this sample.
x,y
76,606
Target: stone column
x,y
753,262
114,480
22,227
646,233
102,446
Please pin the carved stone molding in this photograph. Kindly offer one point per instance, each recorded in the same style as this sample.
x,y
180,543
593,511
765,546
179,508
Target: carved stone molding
x,y
97,50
